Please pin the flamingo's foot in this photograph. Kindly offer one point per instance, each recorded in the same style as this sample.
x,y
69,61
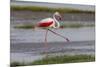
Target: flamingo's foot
x,y
67,40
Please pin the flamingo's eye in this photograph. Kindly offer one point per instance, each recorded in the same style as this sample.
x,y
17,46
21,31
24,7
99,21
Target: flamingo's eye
x,y
58,17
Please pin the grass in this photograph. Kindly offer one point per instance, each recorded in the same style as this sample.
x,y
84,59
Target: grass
x,y
15,64
72,25
77,25
59,59
24,26
64,59
46,9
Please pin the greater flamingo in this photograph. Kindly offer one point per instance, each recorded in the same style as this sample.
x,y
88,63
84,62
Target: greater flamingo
x,y
49,23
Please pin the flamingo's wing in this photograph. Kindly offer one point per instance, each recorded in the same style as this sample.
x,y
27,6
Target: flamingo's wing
x,y
45,22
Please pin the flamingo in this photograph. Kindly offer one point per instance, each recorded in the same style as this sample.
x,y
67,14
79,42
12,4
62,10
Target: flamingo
x,y
49,23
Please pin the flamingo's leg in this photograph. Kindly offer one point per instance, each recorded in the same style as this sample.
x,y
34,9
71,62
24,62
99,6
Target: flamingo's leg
x,y
59,35
46,46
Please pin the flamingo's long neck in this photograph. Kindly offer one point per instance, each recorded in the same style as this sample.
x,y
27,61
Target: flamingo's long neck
x,y
56,23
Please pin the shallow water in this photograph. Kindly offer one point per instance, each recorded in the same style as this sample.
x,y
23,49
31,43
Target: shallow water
x,y
37,36
28,45
29,52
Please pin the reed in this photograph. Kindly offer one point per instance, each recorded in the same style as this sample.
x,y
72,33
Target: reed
x,y
46,9
58,60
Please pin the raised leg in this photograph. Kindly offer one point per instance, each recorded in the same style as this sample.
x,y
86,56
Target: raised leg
x,y
59,35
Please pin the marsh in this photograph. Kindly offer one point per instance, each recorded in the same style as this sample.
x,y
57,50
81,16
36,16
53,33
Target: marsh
x,y
27,45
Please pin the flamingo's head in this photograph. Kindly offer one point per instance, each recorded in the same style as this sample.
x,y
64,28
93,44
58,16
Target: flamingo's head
x,y
57,15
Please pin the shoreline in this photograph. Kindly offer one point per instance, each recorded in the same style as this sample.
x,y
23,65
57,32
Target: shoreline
x,y
31,52
55,60
54,5
47,9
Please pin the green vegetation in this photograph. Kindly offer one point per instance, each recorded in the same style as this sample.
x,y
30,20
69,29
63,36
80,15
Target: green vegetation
x,y
46,9
77,25
59,59
64,59
15,64
24,26
71,25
